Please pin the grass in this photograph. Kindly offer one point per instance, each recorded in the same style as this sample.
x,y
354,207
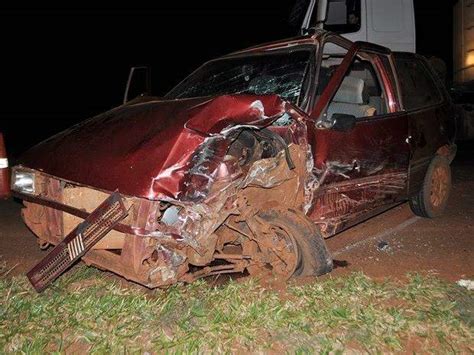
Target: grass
x,y
86,310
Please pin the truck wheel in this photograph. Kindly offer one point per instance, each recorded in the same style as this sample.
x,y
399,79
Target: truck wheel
x,y
311,256
431,201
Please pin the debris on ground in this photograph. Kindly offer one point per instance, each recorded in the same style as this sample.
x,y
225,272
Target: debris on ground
x,y
383,246
469,284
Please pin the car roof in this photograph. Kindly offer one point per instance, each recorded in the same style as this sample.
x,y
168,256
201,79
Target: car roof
x,y
276,45
311,39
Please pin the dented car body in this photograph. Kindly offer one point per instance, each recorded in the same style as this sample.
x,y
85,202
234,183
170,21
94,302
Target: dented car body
x,y
247,165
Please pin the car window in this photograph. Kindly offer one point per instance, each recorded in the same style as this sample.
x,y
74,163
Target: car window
x,y
344,16
418,87
333,55
282,74
360,93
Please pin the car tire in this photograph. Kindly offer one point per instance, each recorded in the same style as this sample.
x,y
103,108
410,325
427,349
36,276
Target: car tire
x,y
431,200
314,258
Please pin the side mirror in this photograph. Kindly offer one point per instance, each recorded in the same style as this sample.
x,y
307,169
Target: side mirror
x,y
343,122
312,19
138,83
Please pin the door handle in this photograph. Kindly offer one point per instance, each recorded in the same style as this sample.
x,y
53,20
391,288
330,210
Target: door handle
x,y
356,166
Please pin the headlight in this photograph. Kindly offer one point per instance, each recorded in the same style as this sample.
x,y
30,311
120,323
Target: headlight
x,y
23,181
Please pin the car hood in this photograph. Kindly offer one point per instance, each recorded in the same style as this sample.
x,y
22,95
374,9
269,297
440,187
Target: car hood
x,y
144,149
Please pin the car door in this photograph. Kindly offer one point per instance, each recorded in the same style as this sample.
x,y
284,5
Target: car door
x,y
362,169
429,115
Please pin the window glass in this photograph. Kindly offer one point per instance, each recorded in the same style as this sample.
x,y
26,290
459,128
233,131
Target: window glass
x,y
282,74
333,55
416,83
360,94
344,16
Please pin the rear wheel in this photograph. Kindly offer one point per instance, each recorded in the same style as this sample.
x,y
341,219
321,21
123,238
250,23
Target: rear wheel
x,y
433,197
294,248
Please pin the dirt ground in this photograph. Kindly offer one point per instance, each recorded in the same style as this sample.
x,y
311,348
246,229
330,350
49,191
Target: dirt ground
x,y
389,245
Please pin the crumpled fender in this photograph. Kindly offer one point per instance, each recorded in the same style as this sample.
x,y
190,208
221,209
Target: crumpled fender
x,y
216,115
146,149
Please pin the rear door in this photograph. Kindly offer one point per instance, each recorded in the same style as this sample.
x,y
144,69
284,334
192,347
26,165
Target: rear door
x,y
429,114
363,170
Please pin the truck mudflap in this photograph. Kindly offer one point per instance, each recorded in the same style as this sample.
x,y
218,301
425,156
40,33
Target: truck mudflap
x,y
77,243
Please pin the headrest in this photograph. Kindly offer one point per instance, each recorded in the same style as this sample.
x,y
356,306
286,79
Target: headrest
x,y
352,91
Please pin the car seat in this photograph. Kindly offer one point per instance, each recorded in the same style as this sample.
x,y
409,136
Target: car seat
x,y
352,98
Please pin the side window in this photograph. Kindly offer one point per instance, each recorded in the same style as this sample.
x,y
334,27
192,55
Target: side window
x,y
333,55
416,83
344,16
360,93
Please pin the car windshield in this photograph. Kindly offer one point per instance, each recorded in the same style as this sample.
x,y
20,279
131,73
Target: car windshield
x,y
282,74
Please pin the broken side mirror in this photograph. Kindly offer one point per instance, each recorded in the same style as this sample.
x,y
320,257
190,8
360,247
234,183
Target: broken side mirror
x,y
138,83
343,122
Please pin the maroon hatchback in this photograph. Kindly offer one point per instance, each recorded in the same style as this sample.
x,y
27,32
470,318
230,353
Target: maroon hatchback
x,y
248,164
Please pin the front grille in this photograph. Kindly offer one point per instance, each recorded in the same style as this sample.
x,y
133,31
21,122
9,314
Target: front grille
x,y
78,242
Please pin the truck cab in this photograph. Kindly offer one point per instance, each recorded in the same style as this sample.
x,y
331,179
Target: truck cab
x,y
390,23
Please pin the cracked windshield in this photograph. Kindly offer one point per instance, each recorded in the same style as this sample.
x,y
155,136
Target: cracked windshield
x,y
282,74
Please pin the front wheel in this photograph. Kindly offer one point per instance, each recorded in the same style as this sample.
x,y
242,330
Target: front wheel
x,y
296,247
432,199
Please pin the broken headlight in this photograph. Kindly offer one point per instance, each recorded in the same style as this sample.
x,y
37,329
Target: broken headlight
x,y
23,181
171,215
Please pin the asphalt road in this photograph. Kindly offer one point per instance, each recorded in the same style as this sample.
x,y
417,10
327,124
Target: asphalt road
x,y
390,245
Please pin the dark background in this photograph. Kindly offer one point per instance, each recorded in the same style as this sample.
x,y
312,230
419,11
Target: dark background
x,y
62,65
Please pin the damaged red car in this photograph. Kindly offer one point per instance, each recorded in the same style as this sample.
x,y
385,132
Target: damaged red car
x,y
249,163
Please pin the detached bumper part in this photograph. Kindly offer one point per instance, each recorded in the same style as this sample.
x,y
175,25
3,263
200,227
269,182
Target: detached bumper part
x,y
77,243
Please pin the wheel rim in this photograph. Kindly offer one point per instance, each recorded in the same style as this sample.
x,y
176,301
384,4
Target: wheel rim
x,y
439,186
286,251
279,254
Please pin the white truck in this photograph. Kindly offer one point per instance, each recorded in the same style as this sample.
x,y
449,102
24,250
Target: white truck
x,y
390,23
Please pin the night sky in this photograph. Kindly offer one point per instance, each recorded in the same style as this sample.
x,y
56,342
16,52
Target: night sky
x,y
62,65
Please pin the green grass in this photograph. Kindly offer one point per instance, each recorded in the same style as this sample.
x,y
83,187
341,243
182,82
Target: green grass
x,y
86,310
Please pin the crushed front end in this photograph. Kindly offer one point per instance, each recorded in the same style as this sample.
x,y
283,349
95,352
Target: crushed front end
x,y
211,226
